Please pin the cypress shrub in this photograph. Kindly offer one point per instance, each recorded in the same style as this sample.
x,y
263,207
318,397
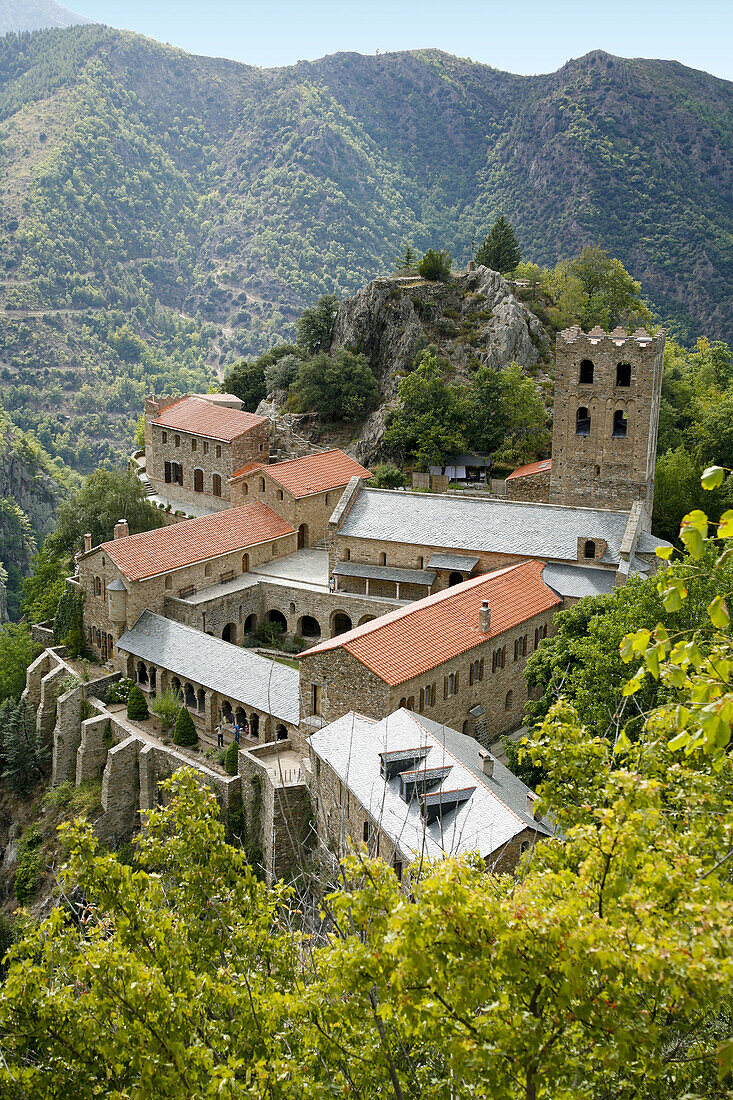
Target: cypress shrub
x,y
137,706
185,731
231,759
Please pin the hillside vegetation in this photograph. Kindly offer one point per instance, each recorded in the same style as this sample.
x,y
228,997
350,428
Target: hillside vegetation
x,y
163,214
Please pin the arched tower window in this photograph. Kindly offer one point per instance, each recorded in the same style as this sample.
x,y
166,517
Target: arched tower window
x,y
586,371
623,374
582,421
590,549
620,424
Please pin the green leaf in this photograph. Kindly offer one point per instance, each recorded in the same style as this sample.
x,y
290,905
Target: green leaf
x,y
718,612
712,478
664,552
725,527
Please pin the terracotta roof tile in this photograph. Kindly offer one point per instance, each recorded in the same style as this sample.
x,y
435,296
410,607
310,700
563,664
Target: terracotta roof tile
x,y
405,643
198,416
248,469
153,552
316,473
531,468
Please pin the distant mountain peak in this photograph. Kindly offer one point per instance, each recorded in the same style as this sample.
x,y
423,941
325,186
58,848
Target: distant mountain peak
x,y
36,15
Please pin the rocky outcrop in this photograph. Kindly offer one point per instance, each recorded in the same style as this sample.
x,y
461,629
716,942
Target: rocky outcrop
x,y
472,320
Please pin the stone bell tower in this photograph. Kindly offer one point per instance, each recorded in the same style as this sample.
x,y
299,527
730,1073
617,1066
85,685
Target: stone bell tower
x,y
604,437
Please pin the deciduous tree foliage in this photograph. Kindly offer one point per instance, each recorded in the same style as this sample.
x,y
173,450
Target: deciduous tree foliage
x,y
340,386
105,497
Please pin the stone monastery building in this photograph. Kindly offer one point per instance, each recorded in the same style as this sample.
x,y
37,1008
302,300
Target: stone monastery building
x,y
418,610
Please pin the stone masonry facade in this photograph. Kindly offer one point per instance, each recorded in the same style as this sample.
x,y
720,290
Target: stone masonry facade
x,y
607,394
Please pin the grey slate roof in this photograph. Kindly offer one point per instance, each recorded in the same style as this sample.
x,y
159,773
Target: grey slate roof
x,y
384,573
461,562
243,677
499,526
116,586
485,822
508,786
578,580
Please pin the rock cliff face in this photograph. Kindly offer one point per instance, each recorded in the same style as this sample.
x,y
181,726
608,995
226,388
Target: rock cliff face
x,y
472,320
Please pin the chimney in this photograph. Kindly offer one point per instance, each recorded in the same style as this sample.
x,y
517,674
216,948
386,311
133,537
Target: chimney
x,y
484,617
531,799
487,762
122,529
87,543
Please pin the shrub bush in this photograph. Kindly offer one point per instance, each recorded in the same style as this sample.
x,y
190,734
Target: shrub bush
x,y
30,864
231,759
119,692
185,731
137,706
435,266
166,706
386,476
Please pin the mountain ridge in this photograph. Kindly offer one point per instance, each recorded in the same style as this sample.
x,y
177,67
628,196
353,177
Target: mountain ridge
x,y
203,203
17,16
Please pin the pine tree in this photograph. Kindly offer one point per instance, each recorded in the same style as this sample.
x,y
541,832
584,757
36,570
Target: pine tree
x,y
231,759
407,261
500,249
137,706
21,749
184,732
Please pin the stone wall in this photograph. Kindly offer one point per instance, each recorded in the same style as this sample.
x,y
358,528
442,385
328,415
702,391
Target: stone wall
x,y
313,510
347,685
211,456
71,710
605,374
534,488
278,815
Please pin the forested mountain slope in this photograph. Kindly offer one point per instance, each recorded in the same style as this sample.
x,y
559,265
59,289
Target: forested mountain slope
x,y
33,15
162,213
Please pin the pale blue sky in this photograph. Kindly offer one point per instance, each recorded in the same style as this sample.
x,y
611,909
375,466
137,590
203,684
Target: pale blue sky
x,y
521,36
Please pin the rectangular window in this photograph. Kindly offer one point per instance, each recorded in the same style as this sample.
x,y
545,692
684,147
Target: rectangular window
x,y
218,451
206,447
168,473
165,437
316,698
194,445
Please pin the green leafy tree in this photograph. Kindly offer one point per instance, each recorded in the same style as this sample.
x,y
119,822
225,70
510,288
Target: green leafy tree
x,y
140,432
386,476
166,706
137,706
184,732
45,587
281,374
247,382
340,386
231,759
105,497
314,327
435,265
500,249
427,424
504,414
595,289
17,652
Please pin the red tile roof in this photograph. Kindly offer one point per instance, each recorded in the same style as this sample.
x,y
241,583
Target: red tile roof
x,y
153,552
197,416
312,473
415,639
247,469
532,468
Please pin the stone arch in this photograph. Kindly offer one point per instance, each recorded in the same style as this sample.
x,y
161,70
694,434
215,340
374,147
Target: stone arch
x,y
589,550
245,563
201,701
366,619
229,633
623,374
586,371
189,696
250,624
309,627
620,424
177,687
141,673
198,480
281,732
277,617
410,702
303,536
216,485
226,711
340,623
254,725
455,578
509,700
582,421
239,716
262,485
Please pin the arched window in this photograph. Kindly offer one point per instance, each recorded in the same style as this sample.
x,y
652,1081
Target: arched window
x,y
169,582
245,488
245,563
280,494
536,637
98,586
367,832
623,374
582,421
590,549
382,559
455,578
262,485
347,554
421,704
586,371
620,424
508,702
207,569
198,481
216,485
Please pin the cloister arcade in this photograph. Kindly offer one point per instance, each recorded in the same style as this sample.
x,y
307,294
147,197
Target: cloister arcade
x,y
209,708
